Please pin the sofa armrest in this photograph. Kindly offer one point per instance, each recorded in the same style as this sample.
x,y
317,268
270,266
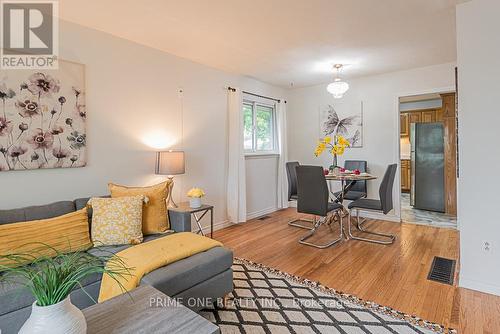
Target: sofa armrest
x,y
179,221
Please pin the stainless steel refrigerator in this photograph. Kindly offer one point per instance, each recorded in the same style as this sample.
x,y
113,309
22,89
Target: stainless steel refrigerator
x,y
427,166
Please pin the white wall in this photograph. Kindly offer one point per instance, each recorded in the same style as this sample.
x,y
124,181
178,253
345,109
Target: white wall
x,y
479,138
132,94
262,177
380,117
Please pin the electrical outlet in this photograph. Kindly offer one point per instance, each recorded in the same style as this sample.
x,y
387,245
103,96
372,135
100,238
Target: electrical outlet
x,y
487,246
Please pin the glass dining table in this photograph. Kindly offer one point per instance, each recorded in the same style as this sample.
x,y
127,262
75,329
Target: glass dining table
x,y
347,180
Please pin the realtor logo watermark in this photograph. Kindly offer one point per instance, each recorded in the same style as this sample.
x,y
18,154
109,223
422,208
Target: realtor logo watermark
x,y
29,34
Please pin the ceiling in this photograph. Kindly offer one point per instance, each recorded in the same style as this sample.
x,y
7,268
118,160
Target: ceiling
x,y
283,41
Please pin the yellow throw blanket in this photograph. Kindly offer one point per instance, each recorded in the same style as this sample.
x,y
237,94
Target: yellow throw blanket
x,y
151,255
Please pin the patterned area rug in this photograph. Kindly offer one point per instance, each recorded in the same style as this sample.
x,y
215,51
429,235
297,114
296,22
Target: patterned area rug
x,y
266,300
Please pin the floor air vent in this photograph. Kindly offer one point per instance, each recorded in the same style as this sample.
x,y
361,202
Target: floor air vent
x,y
264,217
442,270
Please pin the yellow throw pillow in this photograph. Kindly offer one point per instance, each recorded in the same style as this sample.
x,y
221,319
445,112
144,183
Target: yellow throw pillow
x,y
116,221
67,233
154,216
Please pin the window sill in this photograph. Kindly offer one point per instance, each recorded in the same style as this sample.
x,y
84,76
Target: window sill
x,y
256,155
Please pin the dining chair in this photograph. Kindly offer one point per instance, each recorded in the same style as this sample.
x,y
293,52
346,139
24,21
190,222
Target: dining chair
x,y
291,174
313,195
358,189
384,205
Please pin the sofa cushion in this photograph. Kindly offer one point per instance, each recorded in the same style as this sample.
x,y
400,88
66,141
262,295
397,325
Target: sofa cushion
x,y
36,212
184,274
108,250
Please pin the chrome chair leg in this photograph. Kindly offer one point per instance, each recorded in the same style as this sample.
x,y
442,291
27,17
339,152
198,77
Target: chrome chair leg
x,y
295,224
390,236
360,222
318,223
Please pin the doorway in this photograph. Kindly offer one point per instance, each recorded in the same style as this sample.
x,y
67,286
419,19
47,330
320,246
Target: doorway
x,y
428,153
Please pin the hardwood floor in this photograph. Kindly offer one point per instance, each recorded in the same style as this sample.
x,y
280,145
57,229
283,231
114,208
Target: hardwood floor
x,y
394,275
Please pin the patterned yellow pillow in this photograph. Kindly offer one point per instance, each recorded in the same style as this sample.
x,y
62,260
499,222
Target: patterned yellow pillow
x,y
116,221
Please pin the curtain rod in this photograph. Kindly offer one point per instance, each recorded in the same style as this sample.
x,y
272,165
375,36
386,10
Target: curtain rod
x,y
257,95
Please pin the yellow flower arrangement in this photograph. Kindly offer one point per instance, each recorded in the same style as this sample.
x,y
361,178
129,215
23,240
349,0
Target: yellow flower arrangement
x,y
196,193
343,142
337,148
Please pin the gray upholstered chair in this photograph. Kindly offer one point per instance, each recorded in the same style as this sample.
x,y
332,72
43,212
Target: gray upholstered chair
x,y
384,205
313,195
291,174
358,189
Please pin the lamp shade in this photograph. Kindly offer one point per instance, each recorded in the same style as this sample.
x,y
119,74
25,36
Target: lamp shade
x,y
170,163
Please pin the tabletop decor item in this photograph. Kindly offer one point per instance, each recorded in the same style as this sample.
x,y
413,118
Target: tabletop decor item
x,y
336,148
51,279
42,118
195,195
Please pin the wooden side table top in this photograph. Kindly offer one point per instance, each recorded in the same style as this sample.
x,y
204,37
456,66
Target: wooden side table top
x,y
148,311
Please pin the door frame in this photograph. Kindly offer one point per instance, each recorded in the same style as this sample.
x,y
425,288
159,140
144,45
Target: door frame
x,y
397,147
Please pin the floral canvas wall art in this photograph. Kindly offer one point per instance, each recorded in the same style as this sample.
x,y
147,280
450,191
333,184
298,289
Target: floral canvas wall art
x,y
343,119
42,118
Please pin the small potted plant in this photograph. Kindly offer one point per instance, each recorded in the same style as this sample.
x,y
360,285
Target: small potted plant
x,y
337,148
195,195
51,279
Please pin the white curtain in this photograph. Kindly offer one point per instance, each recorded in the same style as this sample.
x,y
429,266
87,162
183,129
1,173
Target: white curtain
x,y
283,158
236,178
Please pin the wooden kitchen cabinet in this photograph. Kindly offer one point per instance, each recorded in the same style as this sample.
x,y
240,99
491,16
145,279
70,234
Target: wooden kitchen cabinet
x,y
439,115
415,117
429,116
423,116
404,125
405,175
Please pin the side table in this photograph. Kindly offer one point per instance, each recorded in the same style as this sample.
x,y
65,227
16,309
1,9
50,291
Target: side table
x,y
183,213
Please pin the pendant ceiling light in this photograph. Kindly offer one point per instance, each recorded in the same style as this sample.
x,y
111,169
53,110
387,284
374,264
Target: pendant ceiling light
x,y
338,87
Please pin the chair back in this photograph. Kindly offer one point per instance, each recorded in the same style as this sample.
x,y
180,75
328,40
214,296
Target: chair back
x,y
291,175
312,190
385,190
361,165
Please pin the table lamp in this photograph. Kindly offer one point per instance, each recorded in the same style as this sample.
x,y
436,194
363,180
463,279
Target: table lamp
x,y
170,163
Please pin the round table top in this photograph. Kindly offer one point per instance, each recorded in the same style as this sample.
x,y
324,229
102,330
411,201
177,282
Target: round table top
x,y
350,177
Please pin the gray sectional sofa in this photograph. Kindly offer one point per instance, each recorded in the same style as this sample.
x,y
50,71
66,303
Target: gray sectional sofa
x,y
206,275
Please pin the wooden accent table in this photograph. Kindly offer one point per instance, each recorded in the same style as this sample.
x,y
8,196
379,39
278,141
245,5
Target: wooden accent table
x,y
148,311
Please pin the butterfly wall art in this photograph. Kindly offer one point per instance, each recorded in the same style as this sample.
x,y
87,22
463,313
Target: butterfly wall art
x,y
344,120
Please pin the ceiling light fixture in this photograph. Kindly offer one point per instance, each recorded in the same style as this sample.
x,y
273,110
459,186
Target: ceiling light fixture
x,y
338,87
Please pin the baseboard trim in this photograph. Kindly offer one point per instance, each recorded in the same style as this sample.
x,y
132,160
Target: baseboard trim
x,y
217,226
379,216
479,286
262,212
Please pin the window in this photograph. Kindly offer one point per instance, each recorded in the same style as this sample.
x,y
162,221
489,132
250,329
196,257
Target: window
x,y
259,127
